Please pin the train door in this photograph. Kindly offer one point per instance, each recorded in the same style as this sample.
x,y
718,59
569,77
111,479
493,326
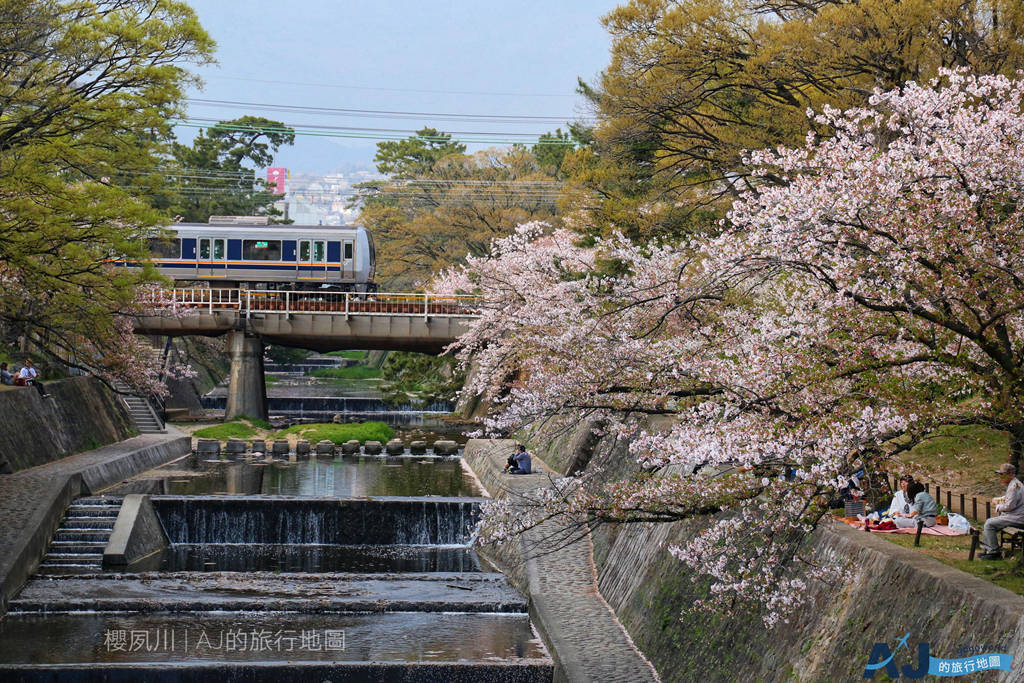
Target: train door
x,y
312,260
348,267
212,257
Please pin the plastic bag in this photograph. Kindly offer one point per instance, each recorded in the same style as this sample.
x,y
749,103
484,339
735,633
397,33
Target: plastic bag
x,y
959,523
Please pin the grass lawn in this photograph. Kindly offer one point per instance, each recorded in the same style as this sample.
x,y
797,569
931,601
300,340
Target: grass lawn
x,y
351,384
953,550
963,458
340,433
351,372
355,355
244,427
228,430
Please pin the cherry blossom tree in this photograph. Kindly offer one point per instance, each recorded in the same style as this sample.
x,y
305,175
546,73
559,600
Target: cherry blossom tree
x,y
867,292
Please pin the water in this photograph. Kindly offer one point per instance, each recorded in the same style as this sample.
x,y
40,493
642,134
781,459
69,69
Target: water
x,y
343,476
276,636
292,520
318,558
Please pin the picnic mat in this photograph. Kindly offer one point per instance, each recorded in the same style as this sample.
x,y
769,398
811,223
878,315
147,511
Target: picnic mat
x,y
937,530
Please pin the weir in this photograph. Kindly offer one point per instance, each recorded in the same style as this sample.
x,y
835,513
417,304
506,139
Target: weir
x,y
273,560
276,520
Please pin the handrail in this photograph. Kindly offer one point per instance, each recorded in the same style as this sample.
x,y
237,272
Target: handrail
x,y
248,301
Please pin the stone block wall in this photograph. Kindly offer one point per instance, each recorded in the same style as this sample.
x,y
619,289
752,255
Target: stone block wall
x,y
81,415
892,590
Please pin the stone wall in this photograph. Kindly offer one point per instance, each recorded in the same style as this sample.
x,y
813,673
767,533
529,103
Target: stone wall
x,y
81,415
893,590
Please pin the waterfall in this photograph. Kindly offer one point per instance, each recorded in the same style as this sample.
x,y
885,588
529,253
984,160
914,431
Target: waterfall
x,y
271,520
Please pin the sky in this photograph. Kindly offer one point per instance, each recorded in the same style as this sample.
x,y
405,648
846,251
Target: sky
x,y
424,57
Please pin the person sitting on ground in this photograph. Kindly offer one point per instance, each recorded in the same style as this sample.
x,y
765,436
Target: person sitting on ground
x,y
1010,512
510,462
29,375
523,461
6,376
924,508
900,501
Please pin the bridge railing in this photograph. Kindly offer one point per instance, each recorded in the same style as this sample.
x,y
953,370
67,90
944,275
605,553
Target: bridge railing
x,y
248,301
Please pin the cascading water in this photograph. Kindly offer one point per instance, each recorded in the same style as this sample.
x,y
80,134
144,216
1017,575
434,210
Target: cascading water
x,y
277,520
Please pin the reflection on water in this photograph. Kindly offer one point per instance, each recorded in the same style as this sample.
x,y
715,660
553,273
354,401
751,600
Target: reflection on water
x,y
225,636
318,558
340,476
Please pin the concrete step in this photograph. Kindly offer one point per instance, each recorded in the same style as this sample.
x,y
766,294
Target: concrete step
x,y
80,511
73,558
76,548
93,535
106,523
67,569
100,500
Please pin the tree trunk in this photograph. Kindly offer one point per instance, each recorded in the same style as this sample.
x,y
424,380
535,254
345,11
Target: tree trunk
x,y
1016,444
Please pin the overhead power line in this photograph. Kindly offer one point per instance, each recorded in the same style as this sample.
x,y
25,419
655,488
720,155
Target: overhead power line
x,y
315,130
384,113
379,89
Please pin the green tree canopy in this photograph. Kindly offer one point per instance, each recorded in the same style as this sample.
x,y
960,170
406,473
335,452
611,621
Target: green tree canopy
x,y
440,203
86,91
693,84
214,176
416,155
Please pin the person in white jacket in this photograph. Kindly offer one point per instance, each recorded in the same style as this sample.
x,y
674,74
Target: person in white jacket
x,y
900,502
1010,511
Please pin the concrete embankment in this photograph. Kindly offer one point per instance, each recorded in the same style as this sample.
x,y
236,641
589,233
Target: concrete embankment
x,y
33,500
582,633
81,414
891,591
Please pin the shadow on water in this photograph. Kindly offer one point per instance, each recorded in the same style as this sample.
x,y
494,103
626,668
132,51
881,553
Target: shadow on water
x,y
216,637
318,558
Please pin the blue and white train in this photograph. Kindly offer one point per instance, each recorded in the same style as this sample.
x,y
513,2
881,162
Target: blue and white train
x,y
297,257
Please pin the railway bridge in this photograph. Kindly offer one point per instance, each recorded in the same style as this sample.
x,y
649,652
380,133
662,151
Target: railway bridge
x,y
322,321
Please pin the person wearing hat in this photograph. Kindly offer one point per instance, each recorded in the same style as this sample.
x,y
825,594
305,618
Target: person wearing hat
x,y
1010,512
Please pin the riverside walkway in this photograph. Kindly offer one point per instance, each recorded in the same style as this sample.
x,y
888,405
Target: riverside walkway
x,y
33,501
585,637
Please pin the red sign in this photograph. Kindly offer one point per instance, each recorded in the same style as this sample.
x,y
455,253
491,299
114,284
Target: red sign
x,y
275,179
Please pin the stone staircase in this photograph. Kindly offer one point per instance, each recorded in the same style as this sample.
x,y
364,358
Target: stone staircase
x,y
77,547
141,411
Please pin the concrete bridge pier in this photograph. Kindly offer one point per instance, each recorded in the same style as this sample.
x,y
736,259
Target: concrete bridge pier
x,y
247,392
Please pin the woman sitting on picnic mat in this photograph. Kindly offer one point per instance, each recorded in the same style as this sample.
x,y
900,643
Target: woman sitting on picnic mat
x,y
923,507
901,501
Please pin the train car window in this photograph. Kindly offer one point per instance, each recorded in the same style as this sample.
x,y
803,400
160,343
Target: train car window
x,y
204,248
319,251
304,251
261,250
219,252
348,251
165,248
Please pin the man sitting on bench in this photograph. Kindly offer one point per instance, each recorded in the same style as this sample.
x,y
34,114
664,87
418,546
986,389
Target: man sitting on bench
x,y
1010,511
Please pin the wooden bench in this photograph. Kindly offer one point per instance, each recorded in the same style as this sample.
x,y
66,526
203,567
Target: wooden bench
x,y
1012,536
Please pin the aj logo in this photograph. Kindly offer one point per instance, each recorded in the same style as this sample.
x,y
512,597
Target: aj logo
x,y
882,658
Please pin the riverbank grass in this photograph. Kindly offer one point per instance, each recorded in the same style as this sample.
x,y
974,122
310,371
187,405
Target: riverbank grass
x,y
228,430
339,433
953,551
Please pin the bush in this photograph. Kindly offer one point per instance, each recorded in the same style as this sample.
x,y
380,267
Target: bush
x,y
340,433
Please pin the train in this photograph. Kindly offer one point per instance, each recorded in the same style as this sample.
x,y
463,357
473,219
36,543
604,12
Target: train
x,y
288,257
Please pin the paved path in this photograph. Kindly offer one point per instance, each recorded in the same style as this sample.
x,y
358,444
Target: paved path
x,y
586,637
33,501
